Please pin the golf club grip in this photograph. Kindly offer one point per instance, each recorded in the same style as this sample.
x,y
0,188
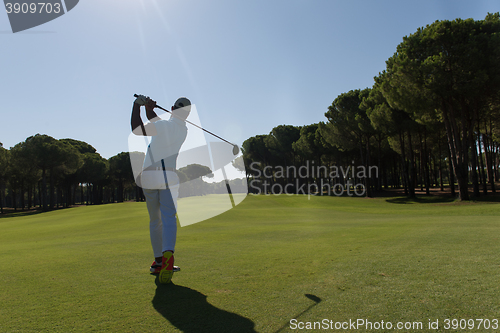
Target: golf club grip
x,y
135,95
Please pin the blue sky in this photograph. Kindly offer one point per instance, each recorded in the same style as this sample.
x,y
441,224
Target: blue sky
x,y
247,65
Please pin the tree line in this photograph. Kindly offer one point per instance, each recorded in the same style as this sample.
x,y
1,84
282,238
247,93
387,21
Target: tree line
x,y
49,173
431,119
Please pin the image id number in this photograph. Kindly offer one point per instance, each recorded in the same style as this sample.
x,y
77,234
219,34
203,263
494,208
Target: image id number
x,y
470,324
32,8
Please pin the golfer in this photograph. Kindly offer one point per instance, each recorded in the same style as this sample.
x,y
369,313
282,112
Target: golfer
x,y
158,178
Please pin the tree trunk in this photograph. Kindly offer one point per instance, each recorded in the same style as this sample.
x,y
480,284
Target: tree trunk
x,y
14,198
482,174
490,159
51,190
67,195
383,171
21,193
412,171
368,189
120,190
87,194
44,190
29,196
426,167
473,160
2,196
406,178
420,168
451,177
440,158
497,162
458,154
82,195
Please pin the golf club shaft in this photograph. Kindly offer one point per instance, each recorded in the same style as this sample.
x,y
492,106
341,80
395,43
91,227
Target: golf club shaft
x,y
187,121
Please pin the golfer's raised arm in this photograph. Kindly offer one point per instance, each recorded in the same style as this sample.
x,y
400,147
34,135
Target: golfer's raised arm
x,y
138,127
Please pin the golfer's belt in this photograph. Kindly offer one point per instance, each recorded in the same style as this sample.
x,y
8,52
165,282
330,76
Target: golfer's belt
x,y
158,169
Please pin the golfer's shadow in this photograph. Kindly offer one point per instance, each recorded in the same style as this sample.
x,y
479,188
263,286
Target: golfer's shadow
x,y
189,311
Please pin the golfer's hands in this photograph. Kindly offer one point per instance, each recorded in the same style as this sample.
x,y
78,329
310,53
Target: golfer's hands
x,y
150,104
141,100
145,100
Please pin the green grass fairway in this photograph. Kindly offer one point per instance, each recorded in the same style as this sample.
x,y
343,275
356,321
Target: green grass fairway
x,y
255,267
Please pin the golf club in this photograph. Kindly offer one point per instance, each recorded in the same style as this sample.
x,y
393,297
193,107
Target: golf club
x,y
236,149
313,298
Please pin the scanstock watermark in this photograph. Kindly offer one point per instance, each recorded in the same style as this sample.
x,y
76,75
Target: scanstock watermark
x,y
309,178
26,14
